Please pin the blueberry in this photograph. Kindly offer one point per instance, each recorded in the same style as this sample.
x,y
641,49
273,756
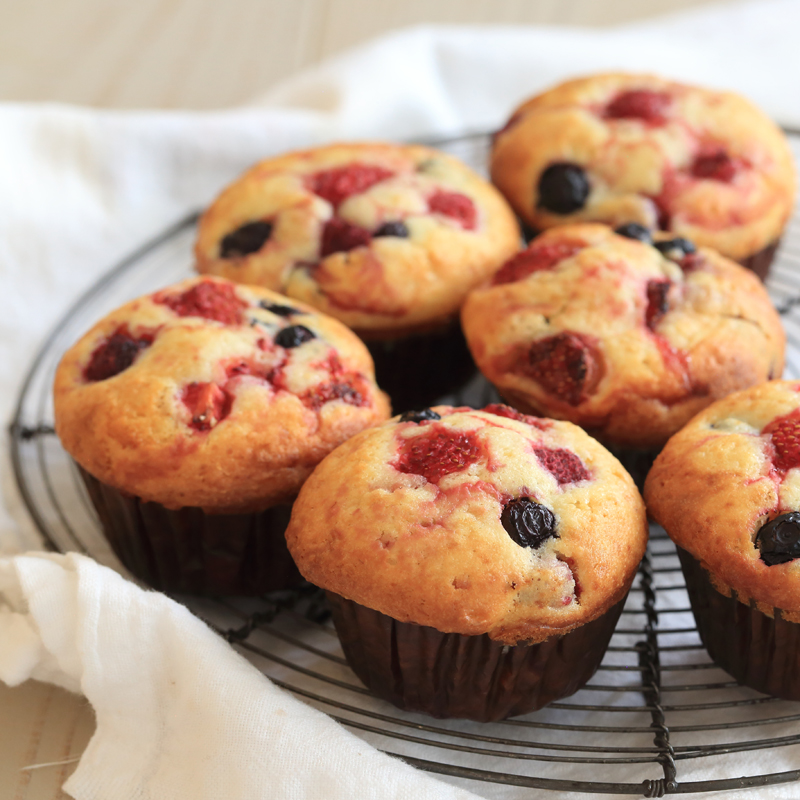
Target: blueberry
x,y
633,230
779,539
397,229
293,336
528,523
249,238
281,311
419,416
675,249
563,188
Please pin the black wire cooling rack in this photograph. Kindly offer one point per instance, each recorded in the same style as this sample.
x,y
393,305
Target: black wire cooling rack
x,y
658,717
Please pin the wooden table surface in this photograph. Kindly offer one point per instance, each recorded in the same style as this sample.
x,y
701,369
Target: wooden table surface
x,y
195,54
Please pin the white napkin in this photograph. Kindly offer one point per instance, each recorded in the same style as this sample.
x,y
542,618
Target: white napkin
x,y
179,713
177,709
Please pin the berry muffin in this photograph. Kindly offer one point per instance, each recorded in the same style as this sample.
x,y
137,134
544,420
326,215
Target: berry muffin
x,y
626,337
727,490
385,238
195,414
476,561
700,164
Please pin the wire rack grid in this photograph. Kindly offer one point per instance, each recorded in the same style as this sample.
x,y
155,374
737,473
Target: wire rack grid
x,y
658,718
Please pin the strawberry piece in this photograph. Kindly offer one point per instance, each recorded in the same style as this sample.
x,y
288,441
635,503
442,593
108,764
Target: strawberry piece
x,y
657,304
715,165
207,403
438,453
535,258
454,205
566,365
336,390
502,410
208,299
562,464
648,106
339,236
785,432
570,562
336,185
116,354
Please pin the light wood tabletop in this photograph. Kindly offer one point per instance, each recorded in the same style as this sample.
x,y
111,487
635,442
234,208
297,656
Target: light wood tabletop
x,y
196,54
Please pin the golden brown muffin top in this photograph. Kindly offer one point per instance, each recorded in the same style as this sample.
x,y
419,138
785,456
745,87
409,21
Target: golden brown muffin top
x,y
472,522
214,395
386,238
621,148
720,483
620,337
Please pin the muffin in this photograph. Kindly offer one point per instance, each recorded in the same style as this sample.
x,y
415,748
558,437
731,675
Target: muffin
x,y
385,238
727,490
476,561
195,414
627,338
700,164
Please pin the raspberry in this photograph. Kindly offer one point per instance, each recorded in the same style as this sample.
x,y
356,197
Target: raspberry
x,y
116,354
454,205
562,464
715,166
208,299
501,410
566,365
657,304
248,239
785,432
438,453
643,104
537,257
207,403
339,236
317,397
336,185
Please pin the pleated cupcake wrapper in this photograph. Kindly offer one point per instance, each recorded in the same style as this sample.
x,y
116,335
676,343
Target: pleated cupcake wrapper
x,y
189,551
760,651
418,668
761,261
418,369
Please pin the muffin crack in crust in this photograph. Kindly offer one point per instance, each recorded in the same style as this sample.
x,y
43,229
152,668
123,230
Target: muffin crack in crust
x,y
476,522
383,237
626,336
213,395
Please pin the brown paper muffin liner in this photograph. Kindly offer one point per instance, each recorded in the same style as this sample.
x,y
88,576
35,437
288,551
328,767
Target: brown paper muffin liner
x,y
418,668
760,651
761,261
189,551
417,369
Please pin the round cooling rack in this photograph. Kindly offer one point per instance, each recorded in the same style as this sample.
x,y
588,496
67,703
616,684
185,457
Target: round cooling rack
x,y
658,717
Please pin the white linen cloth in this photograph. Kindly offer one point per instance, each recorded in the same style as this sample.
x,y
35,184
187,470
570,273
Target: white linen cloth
x,y
179,713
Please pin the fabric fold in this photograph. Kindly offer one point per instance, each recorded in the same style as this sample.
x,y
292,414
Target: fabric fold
x,y
179,713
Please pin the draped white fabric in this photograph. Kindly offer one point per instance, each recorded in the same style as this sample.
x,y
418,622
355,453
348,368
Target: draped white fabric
x,y
179,713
